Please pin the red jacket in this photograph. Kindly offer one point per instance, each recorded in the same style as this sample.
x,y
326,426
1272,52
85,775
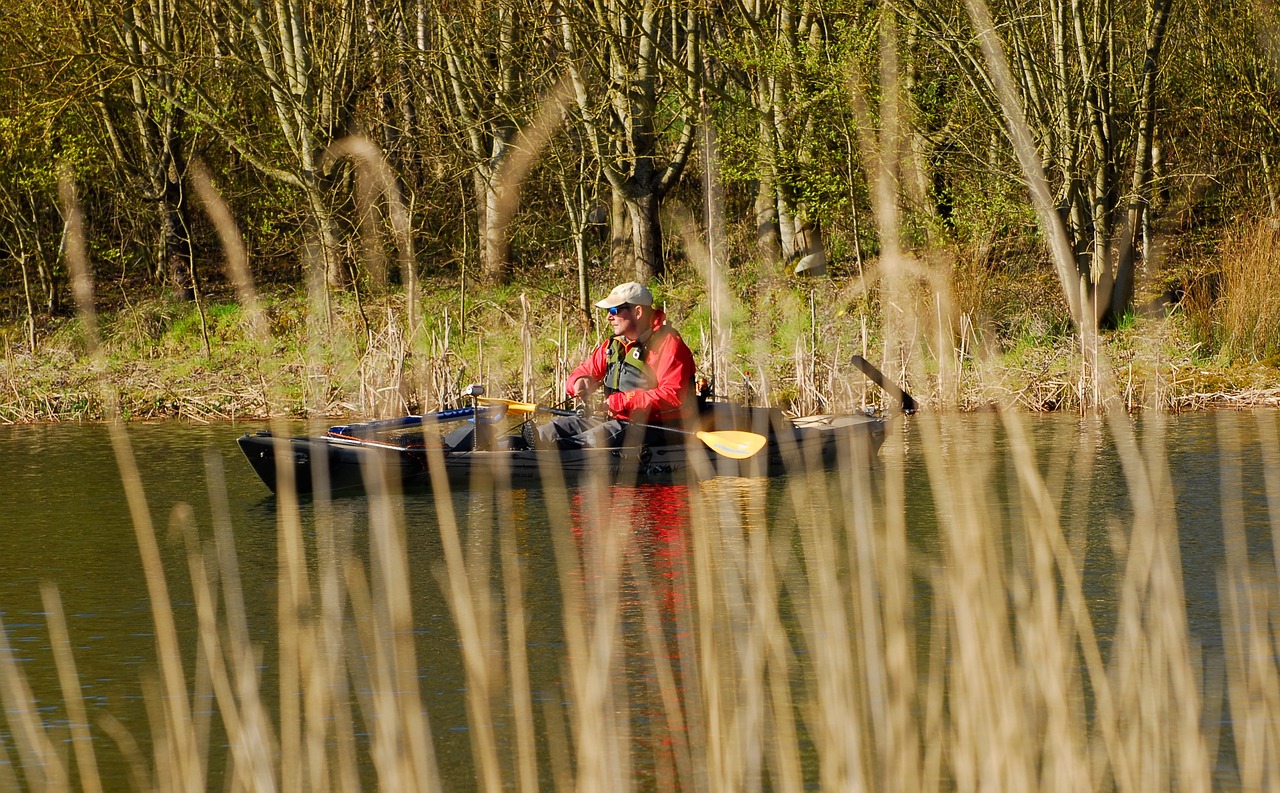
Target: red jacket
x,y
672,363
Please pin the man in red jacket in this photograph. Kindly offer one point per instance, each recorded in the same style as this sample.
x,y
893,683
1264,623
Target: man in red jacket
x,y
644,369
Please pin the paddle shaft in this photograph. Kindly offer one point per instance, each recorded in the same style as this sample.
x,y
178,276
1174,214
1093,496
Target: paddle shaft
x,y
529,407
876,376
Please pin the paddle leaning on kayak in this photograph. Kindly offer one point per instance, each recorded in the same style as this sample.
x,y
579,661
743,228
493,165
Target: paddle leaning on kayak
x,y
644,370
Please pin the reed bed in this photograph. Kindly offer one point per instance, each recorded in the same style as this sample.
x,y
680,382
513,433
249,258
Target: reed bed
x,y
824,632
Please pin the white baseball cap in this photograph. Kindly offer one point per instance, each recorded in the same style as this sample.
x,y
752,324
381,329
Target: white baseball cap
x,y
631,293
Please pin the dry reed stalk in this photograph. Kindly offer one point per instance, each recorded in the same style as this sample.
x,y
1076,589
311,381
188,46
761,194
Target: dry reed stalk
x,y
241,700
320,667
69,680
469,619
660,655
985,744
368,674
241,773
879,561
1051,547
8,770
757,715
780,750
719,618
41,763
603,763
186,769
1151,660
716,344
839,721
517,645
571,577
410,733
1056,628
527,386
1248,593
292,575
590,578
707,651
335,550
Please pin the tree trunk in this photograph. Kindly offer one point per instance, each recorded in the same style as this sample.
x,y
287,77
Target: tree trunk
x,y
26,292
1270,183
584,286
480,191
768,231
494,235
49,287
326,237
175,251
1122,292
786,230
627,146
808,237
646,237
175,229
619,229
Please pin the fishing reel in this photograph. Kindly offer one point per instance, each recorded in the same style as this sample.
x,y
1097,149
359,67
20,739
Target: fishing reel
x,y
586,407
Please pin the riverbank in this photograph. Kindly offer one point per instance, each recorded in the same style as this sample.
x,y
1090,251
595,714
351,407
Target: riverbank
x,y
782,343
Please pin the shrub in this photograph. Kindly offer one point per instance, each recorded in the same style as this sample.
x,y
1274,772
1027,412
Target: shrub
x,y
1248,306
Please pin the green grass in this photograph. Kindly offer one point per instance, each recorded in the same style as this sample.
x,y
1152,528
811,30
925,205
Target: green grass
x,y
155,351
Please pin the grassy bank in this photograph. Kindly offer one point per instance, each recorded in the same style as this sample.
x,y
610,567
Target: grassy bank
x,y
965,337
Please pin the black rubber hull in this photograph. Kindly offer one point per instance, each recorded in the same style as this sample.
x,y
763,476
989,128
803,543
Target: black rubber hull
x,y
349,465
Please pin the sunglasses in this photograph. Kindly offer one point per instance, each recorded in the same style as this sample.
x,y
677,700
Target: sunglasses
x,y
613,312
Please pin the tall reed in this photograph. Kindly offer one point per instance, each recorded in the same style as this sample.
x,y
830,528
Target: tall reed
x,y
1249,301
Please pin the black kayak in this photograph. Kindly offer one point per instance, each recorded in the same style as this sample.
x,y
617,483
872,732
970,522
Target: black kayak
x,y
401,450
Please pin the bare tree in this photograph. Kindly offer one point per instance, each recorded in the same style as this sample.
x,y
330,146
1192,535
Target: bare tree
x,y
780,55
1084,77
282,86
492,64
635,66
145,133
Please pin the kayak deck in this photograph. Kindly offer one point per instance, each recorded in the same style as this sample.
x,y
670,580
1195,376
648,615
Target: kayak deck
x,y
402,453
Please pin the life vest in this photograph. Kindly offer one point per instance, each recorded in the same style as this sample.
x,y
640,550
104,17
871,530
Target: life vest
x,y
625,368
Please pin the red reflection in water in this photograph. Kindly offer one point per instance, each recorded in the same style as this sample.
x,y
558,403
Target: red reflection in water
x,y
656,519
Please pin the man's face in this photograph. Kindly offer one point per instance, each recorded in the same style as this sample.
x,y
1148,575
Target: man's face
x,y
625,320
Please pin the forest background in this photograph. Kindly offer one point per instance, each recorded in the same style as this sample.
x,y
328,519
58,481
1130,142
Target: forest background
x,y
428,193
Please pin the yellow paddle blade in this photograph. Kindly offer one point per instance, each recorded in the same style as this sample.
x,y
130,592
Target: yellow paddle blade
x,y
512,406
734,444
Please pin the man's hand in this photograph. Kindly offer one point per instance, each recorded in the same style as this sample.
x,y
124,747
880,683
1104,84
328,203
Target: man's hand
x,y
617,402
583,388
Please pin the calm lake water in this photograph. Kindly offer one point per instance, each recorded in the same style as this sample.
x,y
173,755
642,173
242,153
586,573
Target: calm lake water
x,y
65,520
